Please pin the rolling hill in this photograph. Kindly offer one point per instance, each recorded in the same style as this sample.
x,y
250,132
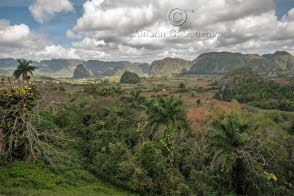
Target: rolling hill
x,y
169,66
223,62
66,67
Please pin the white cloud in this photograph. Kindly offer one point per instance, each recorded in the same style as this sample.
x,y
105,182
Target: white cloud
x,y
248,26
105,30
20,36
13,34
72,35
44,10
18,41
88,44
57,51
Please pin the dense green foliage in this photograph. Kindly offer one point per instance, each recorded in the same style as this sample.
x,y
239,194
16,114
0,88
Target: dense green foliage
x,y
130,78
32,135
147,145
247,86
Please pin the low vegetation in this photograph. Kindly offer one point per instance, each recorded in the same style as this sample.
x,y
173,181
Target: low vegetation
x,y
105,139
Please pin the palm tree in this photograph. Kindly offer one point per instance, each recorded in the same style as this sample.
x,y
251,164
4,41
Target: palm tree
x,y
229,141
166,114
24,69
165,111
135,99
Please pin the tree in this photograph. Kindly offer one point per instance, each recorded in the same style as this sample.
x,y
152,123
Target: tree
x,y
165,111
229,142
1,140
24,69
166,114
182,86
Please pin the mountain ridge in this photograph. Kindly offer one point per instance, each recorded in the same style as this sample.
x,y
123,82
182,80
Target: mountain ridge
x,y
223,62
65,67
212,63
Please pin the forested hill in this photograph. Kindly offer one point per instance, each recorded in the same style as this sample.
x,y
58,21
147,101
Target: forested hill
x,y
66,67
223,62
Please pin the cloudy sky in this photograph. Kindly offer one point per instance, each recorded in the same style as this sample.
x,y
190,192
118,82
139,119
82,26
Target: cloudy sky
x,y
140,30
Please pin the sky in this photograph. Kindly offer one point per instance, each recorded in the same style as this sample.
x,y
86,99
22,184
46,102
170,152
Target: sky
x,y
143,30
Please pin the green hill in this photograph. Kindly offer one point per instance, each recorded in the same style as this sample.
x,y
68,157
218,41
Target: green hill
x,y
118,71
81,72
129,78
247,86
169,66
66,67
223,62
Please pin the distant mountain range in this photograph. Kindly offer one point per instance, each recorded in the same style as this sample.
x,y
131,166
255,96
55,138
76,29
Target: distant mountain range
x,y
169,66
66,67
206,63
223,62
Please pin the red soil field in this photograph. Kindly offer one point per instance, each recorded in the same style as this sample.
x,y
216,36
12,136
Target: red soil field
x,y
197,113
281,80
126,87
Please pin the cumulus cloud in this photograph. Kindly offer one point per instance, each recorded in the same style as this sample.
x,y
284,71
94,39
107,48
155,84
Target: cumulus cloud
x,y
18,41
44,10
88,44
72,35
139,30
14,37
57,51
244,25
13,34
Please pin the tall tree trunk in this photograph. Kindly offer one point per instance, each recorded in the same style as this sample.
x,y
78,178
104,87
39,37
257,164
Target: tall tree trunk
x,y
1,140
239,177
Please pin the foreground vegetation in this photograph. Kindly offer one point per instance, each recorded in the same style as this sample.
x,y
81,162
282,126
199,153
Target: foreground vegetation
x,y
66,139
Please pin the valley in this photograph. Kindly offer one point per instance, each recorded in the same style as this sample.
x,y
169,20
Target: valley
x,y
124,136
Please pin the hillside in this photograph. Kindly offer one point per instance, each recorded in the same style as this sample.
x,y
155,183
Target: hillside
x,y
118,68
169,66
65,67
247,86
129,78
222,62
81,72
118,71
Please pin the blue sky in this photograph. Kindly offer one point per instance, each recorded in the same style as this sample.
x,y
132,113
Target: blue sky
x,y
103,36
17,12
283,6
